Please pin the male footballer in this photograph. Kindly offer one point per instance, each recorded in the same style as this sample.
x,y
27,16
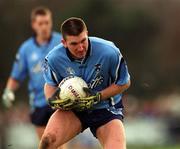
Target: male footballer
x,y
28,62
98,62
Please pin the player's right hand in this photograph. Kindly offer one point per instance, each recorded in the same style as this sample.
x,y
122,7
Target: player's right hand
x,y
8,97
56,103
89,101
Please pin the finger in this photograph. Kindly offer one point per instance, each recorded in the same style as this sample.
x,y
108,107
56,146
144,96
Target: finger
x,y
86,99
87,90
79,107
60,101
69,105
57,92
56,106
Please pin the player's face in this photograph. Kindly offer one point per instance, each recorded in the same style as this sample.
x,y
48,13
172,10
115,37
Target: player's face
x,y
77,45
42,25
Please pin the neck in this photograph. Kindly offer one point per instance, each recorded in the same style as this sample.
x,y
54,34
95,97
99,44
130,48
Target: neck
x,y
40,40
78,59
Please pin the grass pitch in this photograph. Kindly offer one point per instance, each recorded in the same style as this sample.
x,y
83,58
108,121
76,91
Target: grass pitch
x,y
155,147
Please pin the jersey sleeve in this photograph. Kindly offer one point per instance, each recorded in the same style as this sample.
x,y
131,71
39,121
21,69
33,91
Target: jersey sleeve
x,y
119,71
19,70
49,75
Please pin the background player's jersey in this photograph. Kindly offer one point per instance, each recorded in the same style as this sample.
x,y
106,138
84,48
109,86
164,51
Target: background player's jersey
x,y
29,61
102,66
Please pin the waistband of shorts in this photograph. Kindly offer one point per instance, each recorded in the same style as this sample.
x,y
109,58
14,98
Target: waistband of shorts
x,y
106,103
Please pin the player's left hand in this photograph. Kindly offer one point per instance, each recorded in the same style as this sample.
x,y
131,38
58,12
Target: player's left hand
x,y
87,102
56,103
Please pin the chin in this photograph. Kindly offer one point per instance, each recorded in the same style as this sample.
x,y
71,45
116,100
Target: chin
x,y
46,35
81,56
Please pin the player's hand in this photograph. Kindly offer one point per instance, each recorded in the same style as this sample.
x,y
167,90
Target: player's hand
x,y
56,103
8,97
89,101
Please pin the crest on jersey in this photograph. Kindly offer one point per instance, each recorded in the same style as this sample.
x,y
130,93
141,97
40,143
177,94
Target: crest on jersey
x,y
70,71
37,68
98,77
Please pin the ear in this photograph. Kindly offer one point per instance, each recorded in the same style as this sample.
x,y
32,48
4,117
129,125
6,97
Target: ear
x,y
64,43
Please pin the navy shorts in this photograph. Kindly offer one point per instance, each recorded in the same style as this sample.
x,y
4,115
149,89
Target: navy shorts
x,y
96,118
40,116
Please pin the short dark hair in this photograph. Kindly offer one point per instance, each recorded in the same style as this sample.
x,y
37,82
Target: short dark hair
x,y
73,27
41,10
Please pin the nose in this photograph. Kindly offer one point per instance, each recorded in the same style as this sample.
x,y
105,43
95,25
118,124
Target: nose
x,y
81,48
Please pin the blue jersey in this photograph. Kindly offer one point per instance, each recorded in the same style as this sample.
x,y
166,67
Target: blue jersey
x,y
28,62
102,66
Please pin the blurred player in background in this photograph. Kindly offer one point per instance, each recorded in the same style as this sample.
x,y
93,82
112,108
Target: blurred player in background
x,y
28,62
100,63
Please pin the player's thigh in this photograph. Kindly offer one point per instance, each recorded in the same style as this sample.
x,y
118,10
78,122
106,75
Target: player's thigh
x,y
112,135
62,126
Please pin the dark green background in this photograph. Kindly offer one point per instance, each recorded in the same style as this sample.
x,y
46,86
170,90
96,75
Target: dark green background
x,y
147,33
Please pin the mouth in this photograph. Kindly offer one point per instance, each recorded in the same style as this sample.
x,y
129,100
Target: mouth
x,y
83,53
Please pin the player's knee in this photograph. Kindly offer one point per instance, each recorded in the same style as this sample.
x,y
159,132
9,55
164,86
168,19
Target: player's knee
x,y
47,141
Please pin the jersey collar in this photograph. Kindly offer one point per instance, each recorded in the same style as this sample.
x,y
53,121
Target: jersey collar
x,y
89,51
35,41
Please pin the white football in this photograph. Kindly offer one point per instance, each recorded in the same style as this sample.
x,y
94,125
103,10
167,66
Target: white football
x,y
72,88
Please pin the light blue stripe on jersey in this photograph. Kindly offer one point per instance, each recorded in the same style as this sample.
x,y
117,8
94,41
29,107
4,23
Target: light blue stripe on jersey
x,y
29,59
103,66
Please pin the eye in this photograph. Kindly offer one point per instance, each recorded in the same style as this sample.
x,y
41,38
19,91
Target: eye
x,y
73,43
82,41
46,22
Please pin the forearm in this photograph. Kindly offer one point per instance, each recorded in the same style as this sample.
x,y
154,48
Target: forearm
x,y
12,84
49,90
113,90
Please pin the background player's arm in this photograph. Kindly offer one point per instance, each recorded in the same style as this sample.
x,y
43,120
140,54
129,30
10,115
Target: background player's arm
x,y
113,90
12,84
18,73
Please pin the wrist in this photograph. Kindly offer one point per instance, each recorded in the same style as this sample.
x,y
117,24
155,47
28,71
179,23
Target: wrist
x,y
101,95
98,95
8,90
